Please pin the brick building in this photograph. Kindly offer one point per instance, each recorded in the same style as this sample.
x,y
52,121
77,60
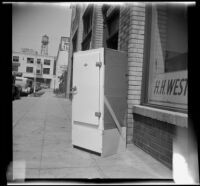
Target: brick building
x,y
155,39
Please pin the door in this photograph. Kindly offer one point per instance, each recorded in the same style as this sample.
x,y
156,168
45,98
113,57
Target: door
x,y
86,79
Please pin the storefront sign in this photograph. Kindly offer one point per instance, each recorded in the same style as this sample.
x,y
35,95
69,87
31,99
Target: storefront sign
x,y
64,44
170,89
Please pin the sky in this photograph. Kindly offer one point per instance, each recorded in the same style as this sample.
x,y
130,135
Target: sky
x,y
30,21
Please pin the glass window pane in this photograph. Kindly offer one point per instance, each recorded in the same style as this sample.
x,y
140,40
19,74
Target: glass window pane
x,y
30,60
15,58
29,69
38,61
46,70
168,57
46,61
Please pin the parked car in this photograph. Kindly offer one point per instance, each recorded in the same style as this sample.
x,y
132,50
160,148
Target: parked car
x,y
25,85
16,90
38,87
13,87
44,86
31,91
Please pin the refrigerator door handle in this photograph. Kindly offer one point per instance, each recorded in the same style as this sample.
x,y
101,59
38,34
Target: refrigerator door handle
x,y
74,90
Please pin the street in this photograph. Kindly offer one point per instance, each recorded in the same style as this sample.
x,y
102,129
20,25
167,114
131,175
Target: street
x,y
42,146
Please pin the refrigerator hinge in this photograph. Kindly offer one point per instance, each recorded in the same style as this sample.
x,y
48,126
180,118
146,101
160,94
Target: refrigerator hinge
x,y
98,64
98,114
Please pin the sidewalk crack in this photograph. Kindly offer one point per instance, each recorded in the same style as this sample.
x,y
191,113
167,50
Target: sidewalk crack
x,y
100,171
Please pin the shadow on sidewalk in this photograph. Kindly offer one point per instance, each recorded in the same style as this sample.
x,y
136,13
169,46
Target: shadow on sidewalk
x,y
37,94
59,95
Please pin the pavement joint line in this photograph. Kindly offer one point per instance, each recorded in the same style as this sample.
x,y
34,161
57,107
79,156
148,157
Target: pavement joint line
x,y
17,122
43,142
43,138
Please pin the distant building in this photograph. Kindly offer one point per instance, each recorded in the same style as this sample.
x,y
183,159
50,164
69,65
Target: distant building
x,y
31,64
62,59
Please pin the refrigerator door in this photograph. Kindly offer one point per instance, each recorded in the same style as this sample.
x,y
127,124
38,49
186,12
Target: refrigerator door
x,y
86,87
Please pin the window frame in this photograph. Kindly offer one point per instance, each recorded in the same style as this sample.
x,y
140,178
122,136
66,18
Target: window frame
x,y
27,60
47,60
44,70
39,60
146,67
113,17
37,71
15,60
29,68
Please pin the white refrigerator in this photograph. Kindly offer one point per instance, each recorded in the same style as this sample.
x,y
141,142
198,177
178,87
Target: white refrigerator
x,y
99,104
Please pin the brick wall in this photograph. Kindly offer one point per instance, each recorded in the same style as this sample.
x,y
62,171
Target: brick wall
x,y
80,29
135,60
123,28
97,28
154,137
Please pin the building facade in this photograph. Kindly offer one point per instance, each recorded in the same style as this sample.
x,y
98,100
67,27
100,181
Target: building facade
x,y
61,60
155,38
33,65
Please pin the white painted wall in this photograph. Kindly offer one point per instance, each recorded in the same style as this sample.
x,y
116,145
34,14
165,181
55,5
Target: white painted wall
x,y
61,65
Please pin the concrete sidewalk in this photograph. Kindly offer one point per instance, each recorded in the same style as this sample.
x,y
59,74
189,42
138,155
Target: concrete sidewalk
x,y
42,147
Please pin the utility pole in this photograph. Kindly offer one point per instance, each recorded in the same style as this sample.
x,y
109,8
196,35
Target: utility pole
x,y
65,83
54,83
35,69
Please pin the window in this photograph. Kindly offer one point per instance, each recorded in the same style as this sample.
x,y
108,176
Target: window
x,y
15,68
86,43
30,60
38,61
87,27
15,58
29,69
46,70
38,71
113,29
64,46
167,57
46,61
